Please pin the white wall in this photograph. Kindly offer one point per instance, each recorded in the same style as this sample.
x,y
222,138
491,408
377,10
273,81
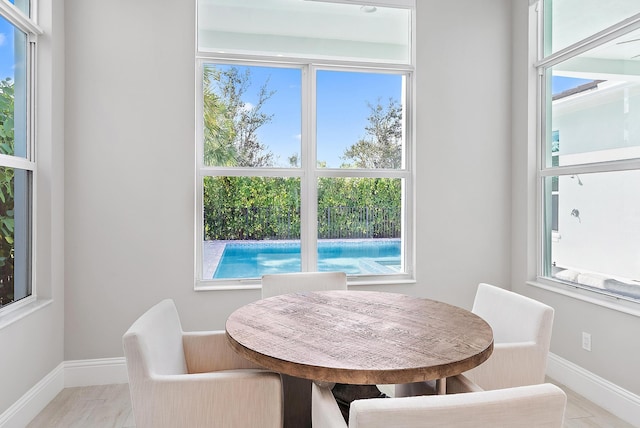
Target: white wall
x,y
130,173
130,163
596,127
33,345
463,147
615,342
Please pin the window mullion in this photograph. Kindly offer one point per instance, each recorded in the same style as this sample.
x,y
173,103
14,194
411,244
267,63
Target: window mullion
x,y
621,165
31,98
249,172
309,194
16,162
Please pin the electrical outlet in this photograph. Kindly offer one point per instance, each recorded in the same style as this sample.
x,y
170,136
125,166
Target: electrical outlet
x,y
586,341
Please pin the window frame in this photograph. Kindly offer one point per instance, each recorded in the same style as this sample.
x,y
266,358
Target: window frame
x,y
543,170
308,172
29,26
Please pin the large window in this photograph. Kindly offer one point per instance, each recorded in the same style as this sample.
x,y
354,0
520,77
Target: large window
x,y
17,166
590,145
304,144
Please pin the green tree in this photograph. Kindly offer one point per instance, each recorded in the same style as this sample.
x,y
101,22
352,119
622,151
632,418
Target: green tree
x,y
6,191
231,124
382,146
219,129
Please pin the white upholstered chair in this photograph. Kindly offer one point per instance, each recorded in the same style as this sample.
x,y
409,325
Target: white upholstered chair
x,y
297,391
282,283
194,379
522,336
540,406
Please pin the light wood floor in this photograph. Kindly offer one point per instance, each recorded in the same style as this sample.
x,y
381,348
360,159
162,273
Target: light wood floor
x,y
109,406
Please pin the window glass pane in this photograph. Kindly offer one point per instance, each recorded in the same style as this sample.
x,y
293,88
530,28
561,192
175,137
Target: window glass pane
x,y
359,225
15,239
300,28
22,5
251,226
596,243
13,93
569,21
360,120
595,107
252,116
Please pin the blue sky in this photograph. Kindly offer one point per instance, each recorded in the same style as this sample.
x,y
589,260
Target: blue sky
x,y
6,49
561,83
341,106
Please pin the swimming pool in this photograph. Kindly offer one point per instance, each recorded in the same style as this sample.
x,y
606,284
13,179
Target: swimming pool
x,y
252,260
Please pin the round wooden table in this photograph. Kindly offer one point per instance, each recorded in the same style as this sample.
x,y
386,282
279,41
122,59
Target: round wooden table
x,y
359,337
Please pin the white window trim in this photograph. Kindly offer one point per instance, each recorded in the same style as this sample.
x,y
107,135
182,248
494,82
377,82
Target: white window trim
x,y
308,154
614,302
16,17
18,310
406,4
602,298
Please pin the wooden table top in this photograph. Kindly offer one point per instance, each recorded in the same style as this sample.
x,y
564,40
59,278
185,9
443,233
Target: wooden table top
x,y
359,337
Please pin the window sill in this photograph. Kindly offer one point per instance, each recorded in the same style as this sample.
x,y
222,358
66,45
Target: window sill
x,y
254,284
23,310
608,301
204,285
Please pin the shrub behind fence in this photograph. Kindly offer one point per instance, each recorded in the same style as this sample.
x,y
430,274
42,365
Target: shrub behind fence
x,y
259,223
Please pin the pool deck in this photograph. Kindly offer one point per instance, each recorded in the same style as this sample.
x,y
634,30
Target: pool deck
x,y
211,254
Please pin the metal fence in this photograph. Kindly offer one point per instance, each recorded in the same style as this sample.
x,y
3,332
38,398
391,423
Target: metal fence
x,y
280,223
358,222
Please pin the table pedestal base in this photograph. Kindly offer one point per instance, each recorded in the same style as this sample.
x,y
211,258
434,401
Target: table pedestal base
x,y
297,402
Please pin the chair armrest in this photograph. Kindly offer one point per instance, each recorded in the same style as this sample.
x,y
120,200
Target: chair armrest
x,y
510,365
460,384
208,351
233,398
325,412
455,385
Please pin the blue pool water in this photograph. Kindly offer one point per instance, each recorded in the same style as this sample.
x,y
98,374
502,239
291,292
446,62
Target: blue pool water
x,y
252,260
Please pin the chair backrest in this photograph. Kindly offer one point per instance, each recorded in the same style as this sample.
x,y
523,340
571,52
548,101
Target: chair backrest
x,y
153,344
514,317
540,406
276,284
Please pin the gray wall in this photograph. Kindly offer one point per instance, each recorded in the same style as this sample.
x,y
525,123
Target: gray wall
x,y
129,171
32,346
129,175
463,147
130,163
615,338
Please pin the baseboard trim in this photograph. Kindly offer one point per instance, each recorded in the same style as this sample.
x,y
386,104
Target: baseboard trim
x,y
103,371
68,374
34,400
622,403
